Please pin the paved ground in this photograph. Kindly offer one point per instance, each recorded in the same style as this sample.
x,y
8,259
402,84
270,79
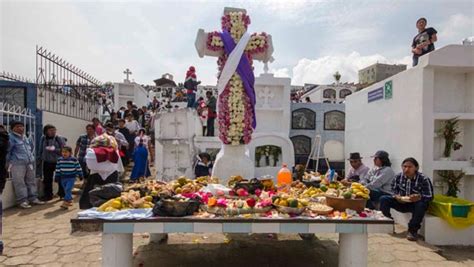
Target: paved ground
x,y
41,237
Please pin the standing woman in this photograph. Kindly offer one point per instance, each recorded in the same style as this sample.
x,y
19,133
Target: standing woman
x,y
140,157
49,152
133,126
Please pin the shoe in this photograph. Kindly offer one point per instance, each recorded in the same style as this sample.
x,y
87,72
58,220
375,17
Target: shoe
x,y
69,203
412,236
46,199
37,202
25,205
65,205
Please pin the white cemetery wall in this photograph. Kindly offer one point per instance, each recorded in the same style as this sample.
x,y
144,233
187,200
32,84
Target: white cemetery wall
x,y
69,127
394,125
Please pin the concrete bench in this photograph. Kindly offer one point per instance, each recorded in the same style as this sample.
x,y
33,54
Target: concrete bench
x,y
437,231
117,236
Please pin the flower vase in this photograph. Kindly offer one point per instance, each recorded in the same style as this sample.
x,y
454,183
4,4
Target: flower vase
x,y
233,160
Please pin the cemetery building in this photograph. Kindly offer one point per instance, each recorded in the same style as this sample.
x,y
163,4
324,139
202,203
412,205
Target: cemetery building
x,y
403,115
318,127
330,93
378,72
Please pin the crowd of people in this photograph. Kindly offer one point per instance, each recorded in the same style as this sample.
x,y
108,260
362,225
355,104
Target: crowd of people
x,y
387,189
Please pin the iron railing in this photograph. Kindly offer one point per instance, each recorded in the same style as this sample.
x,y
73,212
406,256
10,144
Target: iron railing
x,y
65,89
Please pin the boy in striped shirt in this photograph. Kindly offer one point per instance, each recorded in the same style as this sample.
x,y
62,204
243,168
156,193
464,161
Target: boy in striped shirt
x,y
67,169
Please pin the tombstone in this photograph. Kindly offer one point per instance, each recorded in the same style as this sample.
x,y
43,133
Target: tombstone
x,y
273,128
334,120
304,119
175,152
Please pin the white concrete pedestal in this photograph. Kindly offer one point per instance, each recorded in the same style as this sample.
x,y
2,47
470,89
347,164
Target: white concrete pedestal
x,y
233,160
353,249
117,250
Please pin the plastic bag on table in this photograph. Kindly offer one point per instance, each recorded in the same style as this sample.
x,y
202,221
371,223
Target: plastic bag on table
x,y
169,207
102,194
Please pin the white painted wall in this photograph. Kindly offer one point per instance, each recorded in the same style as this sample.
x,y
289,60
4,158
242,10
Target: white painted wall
x,y
392,125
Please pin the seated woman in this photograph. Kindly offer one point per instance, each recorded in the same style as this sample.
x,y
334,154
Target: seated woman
x,y
412,192
379,179
203,166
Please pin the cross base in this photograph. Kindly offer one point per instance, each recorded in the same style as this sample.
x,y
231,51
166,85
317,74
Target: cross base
x,y
231,161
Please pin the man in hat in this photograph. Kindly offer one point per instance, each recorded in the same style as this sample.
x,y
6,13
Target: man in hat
x,y
357,171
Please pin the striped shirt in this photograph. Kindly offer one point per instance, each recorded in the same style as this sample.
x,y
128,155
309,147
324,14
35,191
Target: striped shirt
x,y
420,184
67,168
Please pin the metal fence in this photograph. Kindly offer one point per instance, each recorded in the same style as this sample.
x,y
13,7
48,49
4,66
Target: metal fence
x,y
65,89
10,113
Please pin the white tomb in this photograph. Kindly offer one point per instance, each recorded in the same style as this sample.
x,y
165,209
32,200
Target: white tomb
x,y
129,91
273,123
439,88
174,143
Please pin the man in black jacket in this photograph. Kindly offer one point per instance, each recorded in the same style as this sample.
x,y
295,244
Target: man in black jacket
x,y
3,154
3,172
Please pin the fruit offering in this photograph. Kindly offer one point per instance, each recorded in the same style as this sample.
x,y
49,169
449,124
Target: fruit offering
x,y
312,192
128,200
184,185
360,191
320,208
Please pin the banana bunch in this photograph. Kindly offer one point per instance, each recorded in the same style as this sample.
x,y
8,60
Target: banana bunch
x,y
128,200
360,190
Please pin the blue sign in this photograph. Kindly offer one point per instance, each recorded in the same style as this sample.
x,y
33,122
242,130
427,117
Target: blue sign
x,y
375,94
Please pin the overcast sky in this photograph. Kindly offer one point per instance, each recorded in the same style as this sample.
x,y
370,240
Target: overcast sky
x,y
312,39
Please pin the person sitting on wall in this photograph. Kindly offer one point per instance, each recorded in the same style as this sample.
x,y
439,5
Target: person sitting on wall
x,y
203,166
357,171
379,179
423,42
412,192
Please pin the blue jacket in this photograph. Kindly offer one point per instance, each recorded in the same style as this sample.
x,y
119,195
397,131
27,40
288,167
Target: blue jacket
x,y
20,150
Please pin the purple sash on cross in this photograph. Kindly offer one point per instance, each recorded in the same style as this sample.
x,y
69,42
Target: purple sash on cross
x,y
244,70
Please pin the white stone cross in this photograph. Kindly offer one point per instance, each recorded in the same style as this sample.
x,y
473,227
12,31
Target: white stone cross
x,y
127,72
266,94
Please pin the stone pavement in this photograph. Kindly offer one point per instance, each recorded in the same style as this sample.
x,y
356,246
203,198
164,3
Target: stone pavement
x,y
41,237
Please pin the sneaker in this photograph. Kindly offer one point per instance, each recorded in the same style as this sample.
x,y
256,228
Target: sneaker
x,y
37,202
412,236
25,205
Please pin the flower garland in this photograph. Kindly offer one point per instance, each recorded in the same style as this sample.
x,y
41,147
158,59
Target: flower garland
x,y
235,114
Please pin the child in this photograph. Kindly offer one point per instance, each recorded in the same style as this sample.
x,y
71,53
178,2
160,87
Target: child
x,y
204,165
67,169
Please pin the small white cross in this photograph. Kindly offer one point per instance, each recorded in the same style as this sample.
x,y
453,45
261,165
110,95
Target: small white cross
x,y
127,72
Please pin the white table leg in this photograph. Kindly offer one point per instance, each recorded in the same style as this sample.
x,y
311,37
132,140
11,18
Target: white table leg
x,y
353,249
117,250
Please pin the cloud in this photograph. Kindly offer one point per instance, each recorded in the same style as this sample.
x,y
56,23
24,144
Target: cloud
x,y
321,70
281,72
455,29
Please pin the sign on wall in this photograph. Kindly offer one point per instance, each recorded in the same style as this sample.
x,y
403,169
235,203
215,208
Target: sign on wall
x,y
388,90
375,94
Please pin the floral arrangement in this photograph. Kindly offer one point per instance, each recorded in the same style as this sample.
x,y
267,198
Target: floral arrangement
x,y
235,114
449,132
452,178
